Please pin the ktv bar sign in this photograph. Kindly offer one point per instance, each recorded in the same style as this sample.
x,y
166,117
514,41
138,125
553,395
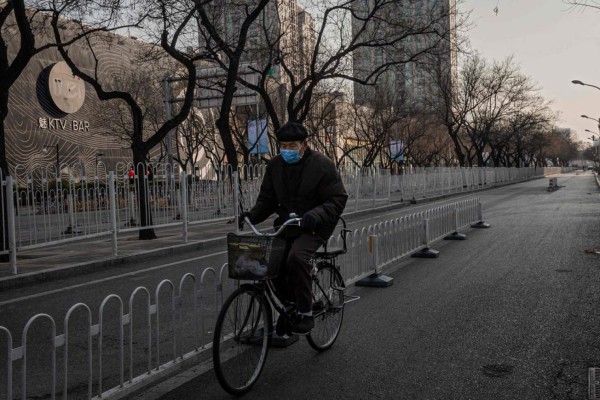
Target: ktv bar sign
x,y
55,123
67,93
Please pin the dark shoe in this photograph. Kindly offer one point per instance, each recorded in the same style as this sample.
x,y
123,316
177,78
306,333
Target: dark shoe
x,y
303,324
283,326
318,306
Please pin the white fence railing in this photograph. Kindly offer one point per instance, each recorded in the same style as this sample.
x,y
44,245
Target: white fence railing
x,y
139,339
428,182
78,203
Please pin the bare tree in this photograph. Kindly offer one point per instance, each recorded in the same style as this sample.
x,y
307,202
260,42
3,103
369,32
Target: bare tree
x,y
503,91
197,140
508,138
291,77
560,146
574,4
169,26
15,26
227,50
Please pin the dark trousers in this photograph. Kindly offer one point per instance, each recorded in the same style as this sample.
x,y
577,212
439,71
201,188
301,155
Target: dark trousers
x,y
294,282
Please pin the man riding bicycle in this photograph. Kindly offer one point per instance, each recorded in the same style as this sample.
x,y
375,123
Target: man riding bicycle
x,y
303,182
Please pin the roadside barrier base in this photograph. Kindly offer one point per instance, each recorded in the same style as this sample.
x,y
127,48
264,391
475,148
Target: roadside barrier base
x,y
456,236
426,253
375,280
480,225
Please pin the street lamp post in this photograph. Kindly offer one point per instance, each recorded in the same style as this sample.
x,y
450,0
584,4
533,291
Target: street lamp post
x,y
578,82
593,119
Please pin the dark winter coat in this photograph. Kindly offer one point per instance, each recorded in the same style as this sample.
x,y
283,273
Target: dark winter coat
x,y
313,184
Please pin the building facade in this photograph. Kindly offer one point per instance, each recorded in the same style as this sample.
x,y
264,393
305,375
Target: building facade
x,y
417,62
56,119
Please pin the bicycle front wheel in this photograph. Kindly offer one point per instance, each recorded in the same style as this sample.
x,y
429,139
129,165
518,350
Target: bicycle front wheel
x,y
241,339
328,307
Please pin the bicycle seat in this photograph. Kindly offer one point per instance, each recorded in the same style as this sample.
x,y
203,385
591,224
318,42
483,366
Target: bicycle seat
x,y
329,252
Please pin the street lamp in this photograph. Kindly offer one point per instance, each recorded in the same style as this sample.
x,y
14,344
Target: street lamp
x,y
46,150
593,119
578,82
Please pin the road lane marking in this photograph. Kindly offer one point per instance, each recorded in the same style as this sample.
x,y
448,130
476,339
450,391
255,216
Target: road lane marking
x,y
64,289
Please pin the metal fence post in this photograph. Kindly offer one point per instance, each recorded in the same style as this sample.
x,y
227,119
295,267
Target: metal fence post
x,y
426,252
357,183
480,224
236,200
389,194
456,235
376,279
71,204
375,176
184,209
112,195
131,205
12,236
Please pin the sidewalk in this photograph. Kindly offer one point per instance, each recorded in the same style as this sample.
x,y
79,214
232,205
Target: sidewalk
x,y
87,255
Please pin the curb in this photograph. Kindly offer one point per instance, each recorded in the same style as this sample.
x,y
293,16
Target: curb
x,y
30,278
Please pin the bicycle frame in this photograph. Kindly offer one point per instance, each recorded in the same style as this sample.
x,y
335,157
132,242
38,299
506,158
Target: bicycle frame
x,y
245,323
267,287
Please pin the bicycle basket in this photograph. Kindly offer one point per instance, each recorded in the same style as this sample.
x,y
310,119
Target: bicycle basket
x,y
254,257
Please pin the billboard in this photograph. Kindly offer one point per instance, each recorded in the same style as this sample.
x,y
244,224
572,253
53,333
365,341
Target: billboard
x,y
258,136
396,150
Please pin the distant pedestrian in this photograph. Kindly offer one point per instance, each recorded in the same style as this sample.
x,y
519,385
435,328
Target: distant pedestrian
x,y
150,173
131,175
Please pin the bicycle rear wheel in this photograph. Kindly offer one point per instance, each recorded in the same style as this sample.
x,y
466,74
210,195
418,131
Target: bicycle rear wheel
x,y
328,307
241,339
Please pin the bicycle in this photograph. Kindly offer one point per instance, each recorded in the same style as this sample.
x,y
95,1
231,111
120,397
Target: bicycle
x,y
244,327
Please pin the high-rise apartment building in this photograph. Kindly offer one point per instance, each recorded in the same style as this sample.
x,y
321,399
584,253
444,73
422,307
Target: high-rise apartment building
x,y
275,35
306,41
421,59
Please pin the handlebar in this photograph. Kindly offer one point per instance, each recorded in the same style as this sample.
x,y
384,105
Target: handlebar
x,y
291,221
296,222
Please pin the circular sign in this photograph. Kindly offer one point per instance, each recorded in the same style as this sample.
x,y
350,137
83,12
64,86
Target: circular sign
x,y
67,91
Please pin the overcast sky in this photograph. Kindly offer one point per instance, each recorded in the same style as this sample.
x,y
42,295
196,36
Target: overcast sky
x,y
552,44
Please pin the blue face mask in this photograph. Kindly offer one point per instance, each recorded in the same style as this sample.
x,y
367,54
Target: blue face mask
x,y
290,156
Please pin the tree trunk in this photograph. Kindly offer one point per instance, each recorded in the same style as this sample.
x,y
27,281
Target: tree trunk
x,y
139,161
460,156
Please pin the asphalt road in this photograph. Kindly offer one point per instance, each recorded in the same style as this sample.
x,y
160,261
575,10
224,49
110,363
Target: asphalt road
x,y
510,313
520,295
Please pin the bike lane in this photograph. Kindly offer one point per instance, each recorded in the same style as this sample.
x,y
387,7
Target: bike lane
x,y
510,313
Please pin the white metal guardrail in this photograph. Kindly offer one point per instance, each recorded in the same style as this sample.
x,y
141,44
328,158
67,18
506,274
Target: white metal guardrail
x,y
78,202
428,182
139,339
